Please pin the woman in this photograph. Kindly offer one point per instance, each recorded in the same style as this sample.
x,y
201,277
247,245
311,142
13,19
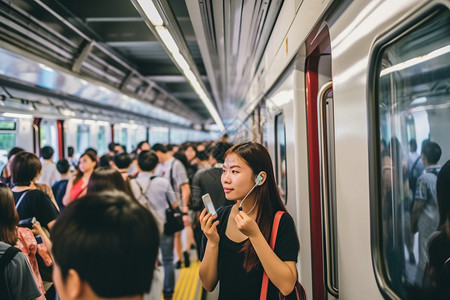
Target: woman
x,y
237,249
77,186
20,283
30,201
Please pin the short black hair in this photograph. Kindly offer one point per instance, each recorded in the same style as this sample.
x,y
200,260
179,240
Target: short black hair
x,y
218,151
110,240
63,166
159,147
111,146
104,160
47,152
147,160
122,160
14,151
413,144
90,149
70,151
202,155
432,151
24,168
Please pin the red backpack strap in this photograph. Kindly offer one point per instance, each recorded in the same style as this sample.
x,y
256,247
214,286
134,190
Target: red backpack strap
x,y
273,238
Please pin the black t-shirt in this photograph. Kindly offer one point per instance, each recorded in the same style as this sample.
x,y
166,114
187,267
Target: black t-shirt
x,y
235,282
36,204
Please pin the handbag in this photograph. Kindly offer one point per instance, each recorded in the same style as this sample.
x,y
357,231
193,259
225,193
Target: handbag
x,y
298,292
174,219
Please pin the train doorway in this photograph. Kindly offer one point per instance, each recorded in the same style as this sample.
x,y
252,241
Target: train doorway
x,y
320,121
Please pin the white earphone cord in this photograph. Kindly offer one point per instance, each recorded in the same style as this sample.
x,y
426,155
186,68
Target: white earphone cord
x,y
240,204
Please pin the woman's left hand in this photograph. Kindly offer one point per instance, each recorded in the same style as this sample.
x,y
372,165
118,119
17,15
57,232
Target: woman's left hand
x,y
246,225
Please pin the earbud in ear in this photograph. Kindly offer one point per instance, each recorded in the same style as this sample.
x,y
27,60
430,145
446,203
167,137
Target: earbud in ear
x,y
259,179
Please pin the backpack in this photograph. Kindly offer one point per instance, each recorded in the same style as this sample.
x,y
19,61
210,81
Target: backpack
x,y
6,258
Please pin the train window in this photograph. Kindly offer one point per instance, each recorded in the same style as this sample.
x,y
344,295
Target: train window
x,y
159,135
412,93
48,136
280,148
83,140
7,140
101,140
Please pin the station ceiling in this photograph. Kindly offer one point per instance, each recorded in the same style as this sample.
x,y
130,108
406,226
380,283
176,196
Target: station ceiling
x,y
108,41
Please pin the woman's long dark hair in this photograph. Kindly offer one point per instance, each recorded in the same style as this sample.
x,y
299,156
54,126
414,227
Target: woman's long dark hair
x,y
8,216
92,157
269,200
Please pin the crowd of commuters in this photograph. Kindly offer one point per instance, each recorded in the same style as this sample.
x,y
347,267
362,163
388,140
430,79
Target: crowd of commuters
x,y
69,203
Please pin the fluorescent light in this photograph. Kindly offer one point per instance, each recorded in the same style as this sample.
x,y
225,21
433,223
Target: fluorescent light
x,y
151,12
44,67
181,61
415,61
102,123
420,100
13,115
67,112
167,39
90,122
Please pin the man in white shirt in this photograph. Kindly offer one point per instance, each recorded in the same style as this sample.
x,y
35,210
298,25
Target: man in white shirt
x,y
49,174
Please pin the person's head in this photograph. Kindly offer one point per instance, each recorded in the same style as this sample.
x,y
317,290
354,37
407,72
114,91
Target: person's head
x,y
14,151
92,150
172,148
8,216
25,168
86,165
11,154
147,161
105,243
118,148
219,150
412,145
243,164
190,151
63,166
443,195
105,160
142,146
106,179
70,151
432,153
161,152
122,160
111,146
47,152
202,156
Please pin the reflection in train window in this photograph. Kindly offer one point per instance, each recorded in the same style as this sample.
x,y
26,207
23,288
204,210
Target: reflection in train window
x,y
280,148
83,137
413,100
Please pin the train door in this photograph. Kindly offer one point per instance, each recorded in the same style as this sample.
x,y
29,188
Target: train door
x,y
320,122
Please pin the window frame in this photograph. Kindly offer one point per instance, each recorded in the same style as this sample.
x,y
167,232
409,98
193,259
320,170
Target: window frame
x,y
409,24
278,160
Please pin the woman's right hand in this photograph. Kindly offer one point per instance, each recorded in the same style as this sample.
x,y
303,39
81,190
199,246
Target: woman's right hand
x,y
209,227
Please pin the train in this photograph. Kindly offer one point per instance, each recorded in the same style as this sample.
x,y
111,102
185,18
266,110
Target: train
x,y
339,82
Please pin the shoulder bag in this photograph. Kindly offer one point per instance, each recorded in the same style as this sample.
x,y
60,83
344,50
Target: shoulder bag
x,y
298,292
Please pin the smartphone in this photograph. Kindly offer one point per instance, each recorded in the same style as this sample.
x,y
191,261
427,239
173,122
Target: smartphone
x,y
209,204
27,222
